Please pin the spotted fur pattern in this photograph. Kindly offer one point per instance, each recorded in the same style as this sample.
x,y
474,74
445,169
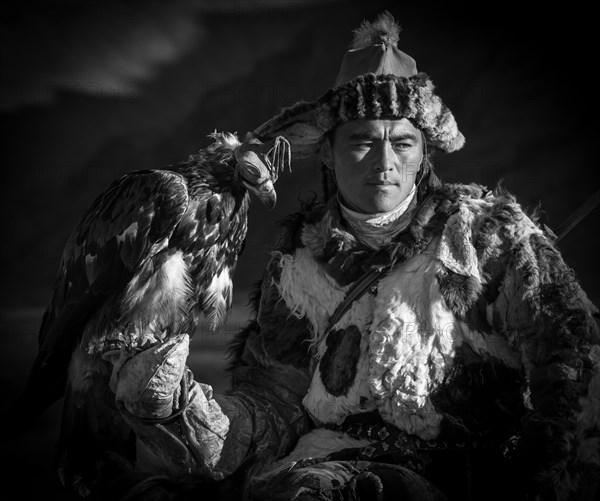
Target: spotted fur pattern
x,y
510,302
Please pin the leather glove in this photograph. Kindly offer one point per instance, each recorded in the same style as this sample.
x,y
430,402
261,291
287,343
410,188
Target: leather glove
x,y
147,384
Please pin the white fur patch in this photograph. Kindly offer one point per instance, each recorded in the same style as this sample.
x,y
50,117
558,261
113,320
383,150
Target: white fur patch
x,y
308,290
408,341
455,249
413,341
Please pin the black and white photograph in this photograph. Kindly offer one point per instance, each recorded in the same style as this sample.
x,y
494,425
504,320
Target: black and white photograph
x,y
299,251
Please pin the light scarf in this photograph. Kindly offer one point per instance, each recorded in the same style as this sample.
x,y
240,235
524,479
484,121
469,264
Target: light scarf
x,y
379,229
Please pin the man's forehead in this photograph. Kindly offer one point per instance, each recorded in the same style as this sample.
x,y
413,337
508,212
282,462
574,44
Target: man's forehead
x,y
377,128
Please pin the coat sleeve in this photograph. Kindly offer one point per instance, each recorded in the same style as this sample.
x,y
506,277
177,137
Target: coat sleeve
x,y
258,420
553,326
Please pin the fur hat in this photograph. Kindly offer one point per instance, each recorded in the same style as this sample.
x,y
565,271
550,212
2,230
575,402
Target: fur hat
x,y
376,81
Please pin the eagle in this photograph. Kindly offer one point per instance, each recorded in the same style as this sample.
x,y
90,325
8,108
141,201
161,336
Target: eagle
x,y
152,257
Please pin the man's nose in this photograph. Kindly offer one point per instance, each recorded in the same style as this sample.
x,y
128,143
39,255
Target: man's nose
x,y
385,154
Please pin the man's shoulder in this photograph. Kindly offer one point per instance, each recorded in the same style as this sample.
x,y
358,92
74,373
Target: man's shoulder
x,y
485,228
474,197
456,191
482,209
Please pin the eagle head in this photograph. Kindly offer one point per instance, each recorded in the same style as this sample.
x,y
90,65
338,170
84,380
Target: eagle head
x,y
258,165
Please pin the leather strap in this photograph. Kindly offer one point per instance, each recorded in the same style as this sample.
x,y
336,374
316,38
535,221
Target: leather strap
x,y
358,290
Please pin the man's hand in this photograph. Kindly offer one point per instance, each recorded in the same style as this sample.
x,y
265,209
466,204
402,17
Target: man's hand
x,y
147,384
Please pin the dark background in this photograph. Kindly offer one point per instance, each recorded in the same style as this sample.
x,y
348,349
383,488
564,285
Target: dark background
x,y
92,90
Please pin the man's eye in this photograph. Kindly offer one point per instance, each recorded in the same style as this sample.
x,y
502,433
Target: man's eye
x,y
363,145
402,146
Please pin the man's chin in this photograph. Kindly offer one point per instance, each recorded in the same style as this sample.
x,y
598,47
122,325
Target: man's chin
x,y
385,202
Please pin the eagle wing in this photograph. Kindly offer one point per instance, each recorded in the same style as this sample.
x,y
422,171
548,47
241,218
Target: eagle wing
x,y
123,228
223,227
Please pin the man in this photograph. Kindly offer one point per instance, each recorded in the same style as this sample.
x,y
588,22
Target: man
x,y
411,339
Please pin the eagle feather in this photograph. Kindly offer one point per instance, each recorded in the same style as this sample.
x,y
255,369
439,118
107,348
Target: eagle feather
x,y
151,255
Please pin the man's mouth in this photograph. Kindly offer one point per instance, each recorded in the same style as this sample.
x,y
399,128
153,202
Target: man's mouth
x,y
380,182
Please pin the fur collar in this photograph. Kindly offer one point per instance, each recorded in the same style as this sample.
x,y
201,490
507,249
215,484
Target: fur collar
x,y
321,229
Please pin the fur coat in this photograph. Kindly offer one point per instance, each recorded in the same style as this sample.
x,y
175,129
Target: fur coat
x,y
479,332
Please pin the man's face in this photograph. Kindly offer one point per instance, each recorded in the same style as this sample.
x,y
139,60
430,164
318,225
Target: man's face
x,y
375,162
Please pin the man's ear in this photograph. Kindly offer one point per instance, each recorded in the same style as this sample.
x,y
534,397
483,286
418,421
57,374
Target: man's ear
x,y
326,153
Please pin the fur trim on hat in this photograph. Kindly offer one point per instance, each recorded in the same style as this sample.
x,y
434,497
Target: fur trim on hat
x,y
369,97
384,29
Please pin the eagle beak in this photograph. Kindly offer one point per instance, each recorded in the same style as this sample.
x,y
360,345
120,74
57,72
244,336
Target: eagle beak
x,y
265,192
269,195
270,199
